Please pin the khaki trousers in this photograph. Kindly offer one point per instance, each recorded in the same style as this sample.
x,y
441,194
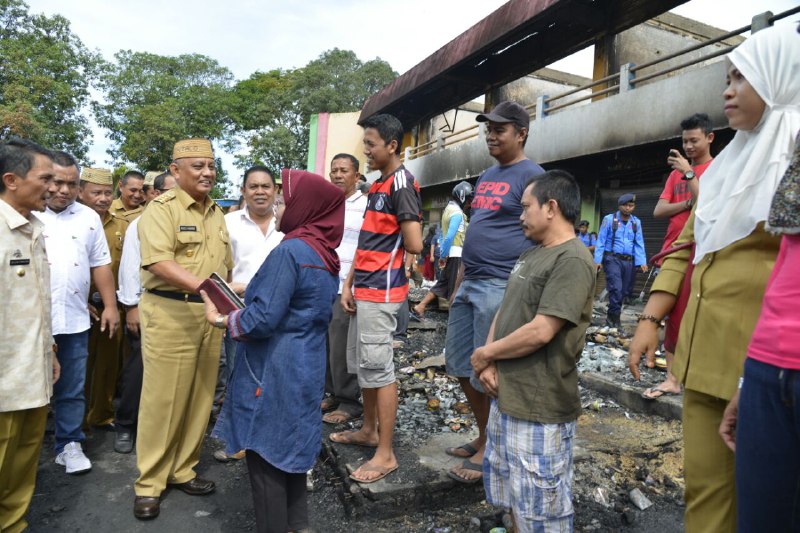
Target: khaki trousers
x,y
102,372
21,434
708,466
180,353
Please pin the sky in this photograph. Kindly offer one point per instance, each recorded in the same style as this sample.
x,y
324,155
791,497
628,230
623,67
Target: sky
x,y
249,35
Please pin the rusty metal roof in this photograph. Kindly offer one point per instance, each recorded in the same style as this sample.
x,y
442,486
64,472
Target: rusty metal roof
x,y
519,37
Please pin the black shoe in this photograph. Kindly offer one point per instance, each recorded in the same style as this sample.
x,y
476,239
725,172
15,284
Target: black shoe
x,y
196,487
146,508
612,321
124,441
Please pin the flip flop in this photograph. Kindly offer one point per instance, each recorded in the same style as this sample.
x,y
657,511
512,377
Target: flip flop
x,y
329,404
371,468
349,439
345,417
466,447
661,392
467,465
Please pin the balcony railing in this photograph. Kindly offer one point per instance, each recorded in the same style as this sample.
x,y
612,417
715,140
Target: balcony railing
x,y
628,77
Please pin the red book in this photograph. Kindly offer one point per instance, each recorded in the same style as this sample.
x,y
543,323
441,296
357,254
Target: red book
x,y
224,298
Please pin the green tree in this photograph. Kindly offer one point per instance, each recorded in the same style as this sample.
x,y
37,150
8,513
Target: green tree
x,y
273,109
151,101
45,74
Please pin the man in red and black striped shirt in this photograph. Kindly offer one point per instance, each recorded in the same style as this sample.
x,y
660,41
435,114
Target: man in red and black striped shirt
x,y
377,287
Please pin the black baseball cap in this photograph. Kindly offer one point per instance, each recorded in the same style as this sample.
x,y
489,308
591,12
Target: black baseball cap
x,y
506,112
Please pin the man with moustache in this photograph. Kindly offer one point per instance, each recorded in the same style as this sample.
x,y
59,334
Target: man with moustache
x,y
131,199
103,365
129,293
78,254
492,245
27,363
183,241
341,386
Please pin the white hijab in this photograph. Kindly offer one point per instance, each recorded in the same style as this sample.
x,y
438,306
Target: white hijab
x,y
737,189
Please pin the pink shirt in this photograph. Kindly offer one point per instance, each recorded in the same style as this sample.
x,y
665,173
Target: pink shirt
x,y
776,339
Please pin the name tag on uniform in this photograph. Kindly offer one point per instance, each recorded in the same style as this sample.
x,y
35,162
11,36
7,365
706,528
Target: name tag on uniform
x,y
187,228
17,262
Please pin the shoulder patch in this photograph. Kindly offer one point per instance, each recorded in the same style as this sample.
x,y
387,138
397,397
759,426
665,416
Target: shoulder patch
x,y
164,198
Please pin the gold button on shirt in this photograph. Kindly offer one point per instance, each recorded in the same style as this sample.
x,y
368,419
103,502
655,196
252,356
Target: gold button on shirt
x,y
175,227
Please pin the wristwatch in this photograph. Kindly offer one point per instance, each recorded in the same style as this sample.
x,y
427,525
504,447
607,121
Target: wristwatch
x,y
689,176
220,322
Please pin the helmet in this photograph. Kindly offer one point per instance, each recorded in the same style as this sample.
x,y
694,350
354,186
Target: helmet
x,y
463,193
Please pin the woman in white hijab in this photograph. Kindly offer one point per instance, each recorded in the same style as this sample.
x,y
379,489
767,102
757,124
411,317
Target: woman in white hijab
x,y
730,266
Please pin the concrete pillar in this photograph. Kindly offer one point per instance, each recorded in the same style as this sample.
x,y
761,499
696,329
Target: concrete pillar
x,y
761,21
540,106
625,77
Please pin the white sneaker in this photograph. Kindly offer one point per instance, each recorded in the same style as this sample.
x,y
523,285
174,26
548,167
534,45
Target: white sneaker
x,y
73,458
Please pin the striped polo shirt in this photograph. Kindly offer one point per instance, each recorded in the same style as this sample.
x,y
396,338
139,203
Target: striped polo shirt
x,y
380,274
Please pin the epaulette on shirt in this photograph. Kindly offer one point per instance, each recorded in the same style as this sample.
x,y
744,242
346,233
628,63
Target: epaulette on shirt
x,y
164,198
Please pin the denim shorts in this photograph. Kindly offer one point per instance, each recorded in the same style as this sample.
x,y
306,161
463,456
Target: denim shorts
x,y
471,316
528,468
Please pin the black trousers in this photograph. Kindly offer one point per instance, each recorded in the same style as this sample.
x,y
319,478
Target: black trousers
x,y
338,381
130,385
279,498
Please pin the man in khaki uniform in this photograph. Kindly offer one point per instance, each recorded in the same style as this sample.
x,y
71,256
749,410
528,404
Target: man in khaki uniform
x,y
148,190
26,340
130,203
103,364
183,241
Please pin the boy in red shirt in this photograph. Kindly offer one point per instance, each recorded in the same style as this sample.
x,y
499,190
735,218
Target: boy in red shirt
x,y
676,201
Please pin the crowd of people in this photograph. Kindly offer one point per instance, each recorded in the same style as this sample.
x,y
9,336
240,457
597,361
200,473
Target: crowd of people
x,y
105,323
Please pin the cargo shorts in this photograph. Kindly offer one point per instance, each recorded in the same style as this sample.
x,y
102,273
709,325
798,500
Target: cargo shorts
x,y
369,343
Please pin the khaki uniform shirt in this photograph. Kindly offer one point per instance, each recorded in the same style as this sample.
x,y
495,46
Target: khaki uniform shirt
x,y
175,227
26,339
115,228
118,208
724,304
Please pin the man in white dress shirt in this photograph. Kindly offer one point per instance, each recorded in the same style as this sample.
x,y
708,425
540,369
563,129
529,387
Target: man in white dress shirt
x,y
76,250
341,386
130,289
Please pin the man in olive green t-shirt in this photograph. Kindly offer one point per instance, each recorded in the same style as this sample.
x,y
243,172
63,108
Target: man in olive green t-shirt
x,y
528,364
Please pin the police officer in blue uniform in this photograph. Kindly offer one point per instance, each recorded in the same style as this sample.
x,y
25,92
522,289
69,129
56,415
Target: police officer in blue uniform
x,y
587,238
619,250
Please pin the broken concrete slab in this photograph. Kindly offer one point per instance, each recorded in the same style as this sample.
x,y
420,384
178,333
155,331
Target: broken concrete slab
x,y
670,407
423,324
436,361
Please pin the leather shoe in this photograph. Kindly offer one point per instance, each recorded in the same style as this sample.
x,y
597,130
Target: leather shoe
x,y
196,487
146,507
123,443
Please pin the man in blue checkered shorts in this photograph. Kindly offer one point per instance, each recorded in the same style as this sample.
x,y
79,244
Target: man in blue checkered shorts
x,y
528,365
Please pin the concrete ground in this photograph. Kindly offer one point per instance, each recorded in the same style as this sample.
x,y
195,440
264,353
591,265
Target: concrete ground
x,y
622,444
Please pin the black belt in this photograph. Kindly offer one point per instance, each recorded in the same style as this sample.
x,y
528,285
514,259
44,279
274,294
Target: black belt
x,y
621,256
182,296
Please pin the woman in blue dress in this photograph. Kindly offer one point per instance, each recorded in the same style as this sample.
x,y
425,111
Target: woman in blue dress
x,y
271,409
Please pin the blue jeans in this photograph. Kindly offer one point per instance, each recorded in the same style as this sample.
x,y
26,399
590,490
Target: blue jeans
x,y
768,449
69,401
471,316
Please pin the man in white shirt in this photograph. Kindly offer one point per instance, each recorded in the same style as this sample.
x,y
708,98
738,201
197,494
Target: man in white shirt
x,y
341,386
130,289
77,251
253,236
